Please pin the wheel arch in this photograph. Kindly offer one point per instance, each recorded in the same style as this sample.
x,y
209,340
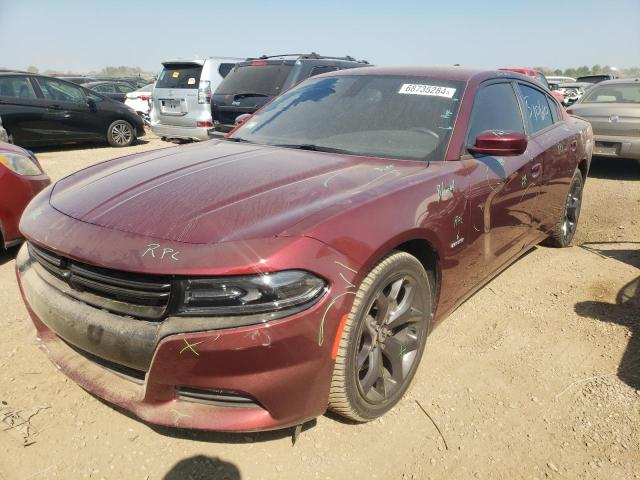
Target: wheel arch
x,y
421,244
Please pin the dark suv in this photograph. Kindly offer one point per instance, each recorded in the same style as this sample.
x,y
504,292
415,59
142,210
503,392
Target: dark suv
x,y
256,81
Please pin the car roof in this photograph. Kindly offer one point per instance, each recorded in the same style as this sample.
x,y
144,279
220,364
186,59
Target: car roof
x,y
617,81
100,82
463,74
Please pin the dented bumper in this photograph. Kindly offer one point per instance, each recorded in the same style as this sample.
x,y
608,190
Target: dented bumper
x,y
178,372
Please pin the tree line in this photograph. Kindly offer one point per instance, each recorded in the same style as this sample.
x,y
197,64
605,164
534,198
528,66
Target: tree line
x,y
594,70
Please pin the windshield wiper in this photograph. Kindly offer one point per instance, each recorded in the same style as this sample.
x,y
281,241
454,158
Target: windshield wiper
x,y
314,148
249,94
236,139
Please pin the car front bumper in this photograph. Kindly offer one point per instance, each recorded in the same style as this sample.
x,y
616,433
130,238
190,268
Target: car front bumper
x,y
255,377
180,132
617,147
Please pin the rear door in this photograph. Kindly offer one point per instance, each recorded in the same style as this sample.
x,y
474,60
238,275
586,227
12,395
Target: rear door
x,y
175,96
247,88
22,112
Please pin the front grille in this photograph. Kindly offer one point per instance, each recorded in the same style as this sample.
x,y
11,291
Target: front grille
x,y
136,295
128,373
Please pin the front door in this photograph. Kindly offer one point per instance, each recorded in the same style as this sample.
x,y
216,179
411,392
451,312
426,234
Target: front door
x,y
503,190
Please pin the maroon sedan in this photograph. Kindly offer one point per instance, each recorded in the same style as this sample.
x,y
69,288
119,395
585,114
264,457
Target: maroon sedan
x,y
298,265
21,178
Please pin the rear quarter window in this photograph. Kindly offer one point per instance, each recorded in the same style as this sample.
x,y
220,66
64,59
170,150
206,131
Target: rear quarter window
x,y
179,76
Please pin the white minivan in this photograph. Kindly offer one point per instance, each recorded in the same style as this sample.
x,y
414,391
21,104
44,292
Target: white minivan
x,y
180,100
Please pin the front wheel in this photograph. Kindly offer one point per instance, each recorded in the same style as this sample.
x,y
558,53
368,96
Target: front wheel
x,y
383,339
567,225
120,134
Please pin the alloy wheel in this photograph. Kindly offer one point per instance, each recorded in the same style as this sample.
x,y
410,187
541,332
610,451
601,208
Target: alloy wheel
x,y
121,134
389,340
572,211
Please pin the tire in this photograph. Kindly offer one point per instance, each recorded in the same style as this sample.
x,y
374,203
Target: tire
x,y
565,229
121,134
370,339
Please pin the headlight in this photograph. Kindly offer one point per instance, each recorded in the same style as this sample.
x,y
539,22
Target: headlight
x,y
20,164
245,295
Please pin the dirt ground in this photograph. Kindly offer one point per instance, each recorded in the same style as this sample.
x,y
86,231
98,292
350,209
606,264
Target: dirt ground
x,y
536,376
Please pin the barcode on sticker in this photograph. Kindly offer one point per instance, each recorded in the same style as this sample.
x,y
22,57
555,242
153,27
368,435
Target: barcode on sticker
x,y
413,89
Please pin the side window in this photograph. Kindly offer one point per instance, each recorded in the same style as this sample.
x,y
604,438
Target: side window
x,y
61,91
125,88
322,69
537,108
496,107
105,88
16,87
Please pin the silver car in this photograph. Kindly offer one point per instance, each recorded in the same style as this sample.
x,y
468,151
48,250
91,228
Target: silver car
x,y
181,97
613,109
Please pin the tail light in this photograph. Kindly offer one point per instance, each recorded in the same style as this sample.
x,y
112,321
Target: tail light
x,y
204,124
204,91
144,98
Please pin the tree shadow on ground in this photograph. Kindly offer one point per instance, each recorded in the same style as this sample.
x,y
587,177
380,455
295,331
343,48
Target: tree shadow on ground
x,y
625,311
614,168
201,467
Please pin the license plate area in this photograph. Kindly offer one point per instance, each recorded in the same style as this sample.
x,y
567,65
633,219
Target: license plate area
x,y
607,148
171,106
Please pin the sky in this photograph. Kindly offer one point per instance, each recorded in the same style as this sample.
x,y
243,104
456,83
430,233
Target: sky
x,y
80,36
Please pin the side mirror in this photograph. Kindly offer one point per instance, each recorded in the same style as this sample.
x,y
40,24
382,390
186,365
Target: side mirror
x,y
499,143
240,119
91,103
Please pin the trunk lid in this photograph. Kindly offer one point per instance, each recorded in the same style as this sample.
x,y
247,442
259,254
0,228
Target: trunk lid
x,y
610,119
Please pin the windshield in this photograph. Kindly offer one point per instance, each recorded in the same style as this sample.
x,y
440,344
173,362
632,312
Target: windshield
x,y
381,116
614,93
259,79
180,76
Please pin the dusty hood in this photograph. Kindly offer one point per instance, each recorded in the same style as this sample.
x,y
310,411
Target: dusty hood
x,y
217,191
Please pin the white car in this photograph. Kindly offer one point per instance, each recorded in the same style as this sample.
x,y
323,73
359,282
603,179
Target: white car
x,y
140,100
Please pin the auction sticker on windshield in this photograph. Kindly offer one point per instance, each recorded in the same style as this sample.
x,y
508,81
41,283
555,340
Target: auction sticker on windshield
x,y
413,89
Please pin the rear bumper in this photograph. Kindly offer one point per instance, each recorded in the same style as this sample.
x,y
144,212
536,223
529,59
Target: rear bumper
x,y
278,369
175,131
617,147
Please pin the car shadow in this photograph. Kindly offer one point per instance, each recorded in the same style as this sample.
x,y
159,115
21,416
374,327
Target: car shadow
x,y
614,168
628,256
203,467
82,146
625,312
8,255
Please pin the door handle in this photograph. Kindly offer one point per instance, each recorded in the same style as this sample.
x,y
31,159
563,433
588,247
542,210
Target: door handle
x,y
536,170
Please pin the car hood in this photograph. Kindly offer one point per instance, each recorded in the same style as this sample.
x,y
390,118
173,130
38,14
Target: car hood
x,y
219,191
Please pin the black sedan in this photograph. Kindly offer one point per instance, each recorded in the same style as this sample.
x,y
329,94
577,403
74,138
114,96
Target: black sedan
x,y
39,110
115,90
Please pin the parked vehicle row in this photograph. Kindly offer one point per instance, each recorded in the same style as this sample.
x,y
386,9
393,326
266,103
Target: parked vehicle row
x,y
39,110
136,82
186,107
246,283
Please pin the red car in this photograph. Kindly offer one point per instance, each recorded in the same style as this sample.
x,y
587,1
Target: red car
x,y
250,283
539,76
21,178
